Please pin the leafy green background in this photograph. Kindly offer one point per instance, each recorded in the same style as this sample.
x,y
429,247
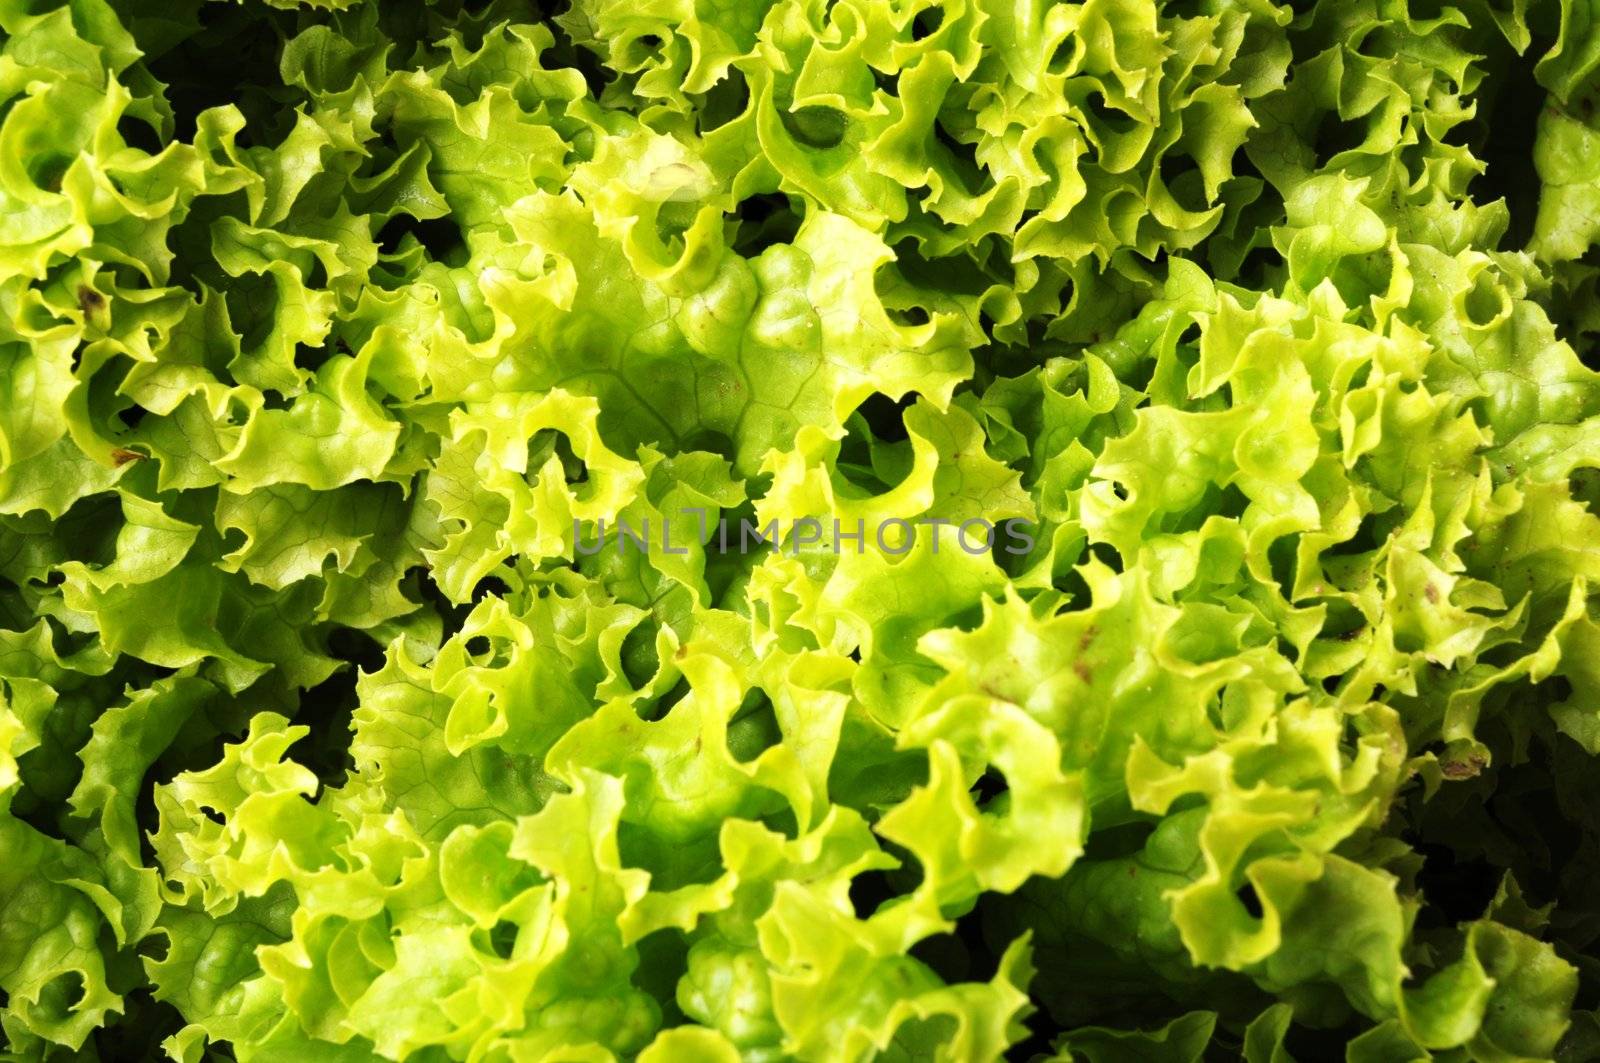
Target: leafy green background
x,y
322,325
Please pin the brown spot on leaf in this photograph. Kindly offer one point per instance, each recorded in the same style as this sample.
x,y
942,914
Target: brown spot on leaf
x,y
1083,671
89,300
122,456
1086,640
1463,769
1430,592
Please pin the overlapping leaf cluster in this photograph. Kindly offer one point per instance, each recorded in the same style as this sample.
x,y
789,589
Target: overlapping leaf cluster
x,y
326,324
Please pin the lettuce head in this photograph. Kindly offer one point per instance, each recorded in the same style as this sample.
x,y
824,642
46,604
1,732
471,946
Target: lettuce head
x,y
343,341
